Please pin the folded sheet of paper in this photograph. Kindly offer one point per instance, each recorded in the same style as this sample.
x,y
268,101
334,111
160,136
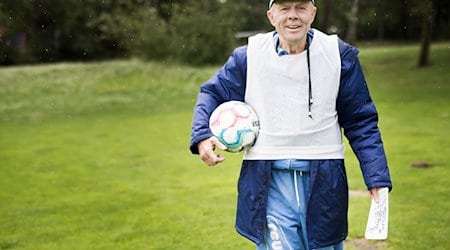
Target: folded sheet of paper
x,y
377,223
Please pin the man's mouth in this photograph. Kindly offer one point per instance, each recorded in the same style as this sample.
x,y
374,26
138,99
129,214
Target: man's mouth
x,y
293,27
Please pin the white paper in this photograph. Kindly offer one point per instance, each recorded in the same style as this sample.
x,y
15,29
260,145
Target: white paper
x,y
377,223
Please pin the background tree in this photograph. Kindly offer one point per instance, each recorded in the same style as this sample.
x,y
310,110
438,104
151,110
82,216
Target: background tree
x,y
352,22
381,10
326,11
441,19
33,31
427,28
202,32
332,16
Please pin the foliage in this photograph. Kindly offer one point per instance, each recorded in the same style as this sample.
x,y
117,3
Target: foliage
x,y
249,15
153,37
202,32
59,30
198,32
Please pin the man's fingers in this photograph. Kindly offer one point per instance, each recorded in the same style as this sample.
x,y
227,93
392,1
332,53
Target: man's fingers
x,y
374,194
206,151
211,158
217,143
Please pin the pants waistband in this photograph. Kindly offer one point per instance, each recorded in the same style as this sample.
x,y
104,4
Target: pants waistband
x,y
292,164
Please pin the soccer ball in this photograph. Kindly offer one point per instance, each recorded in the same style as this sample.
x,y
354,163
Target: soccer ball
x,y
235,124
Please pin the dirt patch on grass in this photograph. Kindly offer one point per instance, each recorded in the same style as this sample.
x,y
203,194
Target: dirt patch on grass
x,y
364,244
421,164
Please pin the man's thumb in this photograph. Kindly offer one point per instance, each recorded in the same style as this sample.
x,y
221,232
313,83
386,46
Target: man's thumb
x,y
218,144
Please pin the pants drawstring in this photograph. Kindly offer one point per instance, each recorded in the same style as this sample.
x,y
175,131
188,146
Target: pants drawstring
x,y
296,187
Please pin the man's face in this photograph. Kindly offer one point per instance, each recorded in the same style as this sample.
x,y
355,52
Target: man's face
x,y
291,20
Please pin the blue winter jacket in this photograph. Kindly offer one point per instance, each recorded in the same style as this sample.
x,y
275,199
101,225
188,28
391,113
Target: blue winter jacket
x,y
328,197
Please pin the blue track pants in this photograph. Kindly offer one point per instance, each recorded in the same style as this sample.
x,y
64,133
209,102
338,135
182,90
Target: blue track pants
x,y
286,211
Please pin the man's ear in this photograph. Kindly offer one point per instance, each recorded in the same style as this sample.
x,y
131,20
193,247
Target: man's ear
x,y
314,12
270,16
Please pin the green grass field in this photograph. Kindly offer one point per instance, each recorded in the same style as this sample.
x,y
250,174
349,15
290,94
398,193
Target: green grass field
x,y
95,156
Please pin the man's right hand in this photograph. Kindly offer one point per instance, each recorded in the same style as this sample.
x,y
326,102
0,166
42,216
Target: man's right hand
x,y
206,151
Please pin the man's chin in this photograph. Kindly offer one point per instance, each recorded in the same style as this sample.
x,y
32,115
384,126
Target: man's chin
x,y
294,39
294,35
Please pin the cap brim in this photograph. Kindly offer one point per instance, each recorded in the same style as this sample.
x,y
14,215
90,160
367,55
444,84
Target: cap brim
x,y
271,2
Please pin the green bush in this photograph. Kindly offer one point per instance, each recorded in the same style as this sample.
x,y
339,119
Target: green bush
x,y
204,32
153,36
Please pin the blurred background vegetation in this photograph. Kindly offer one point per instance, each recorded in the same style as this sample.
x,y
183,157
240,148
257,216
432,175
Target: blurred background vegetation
x,y
191,31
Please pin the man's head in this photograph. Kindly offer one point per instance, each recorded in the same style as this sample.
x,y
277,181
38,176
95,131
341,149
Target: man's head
x,y
271,2
292,19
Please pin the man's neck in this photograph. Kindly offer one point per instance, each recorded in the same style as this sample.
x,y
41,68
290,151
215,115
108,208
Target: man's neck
x,y
293,48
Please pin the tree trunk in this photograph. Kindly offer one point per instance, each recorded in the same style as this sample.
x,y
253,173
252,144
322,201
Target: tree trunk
x,y
381,12
352,22
427,27
326,13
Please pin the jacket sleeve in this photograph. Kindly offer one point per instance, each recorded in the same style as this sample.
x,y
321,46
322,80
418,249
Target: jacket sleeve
x,y
227,84
358,118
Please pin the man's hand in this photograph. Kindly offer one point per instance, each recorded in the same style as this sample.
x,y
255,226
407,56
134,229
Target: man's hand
x,y
374,194
206,151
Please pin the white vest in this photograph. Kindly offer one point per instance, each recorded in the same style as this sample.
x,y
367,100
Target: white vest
x,y
277,88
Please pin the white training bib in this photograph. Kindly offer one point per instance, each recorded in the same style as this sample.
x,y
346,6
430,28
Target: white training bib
x,y
277,88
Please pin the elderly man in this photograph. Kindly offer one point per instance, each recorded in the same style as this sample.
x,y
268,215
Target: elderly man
x,y
306,87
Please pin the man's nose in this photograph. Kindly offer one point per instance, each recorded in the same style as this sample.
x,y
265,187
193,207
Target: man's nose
x,y
292,14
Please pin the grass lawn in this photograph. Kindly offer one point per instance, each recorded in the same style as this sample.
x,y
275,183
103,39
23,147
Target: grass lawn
x,y
95,156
